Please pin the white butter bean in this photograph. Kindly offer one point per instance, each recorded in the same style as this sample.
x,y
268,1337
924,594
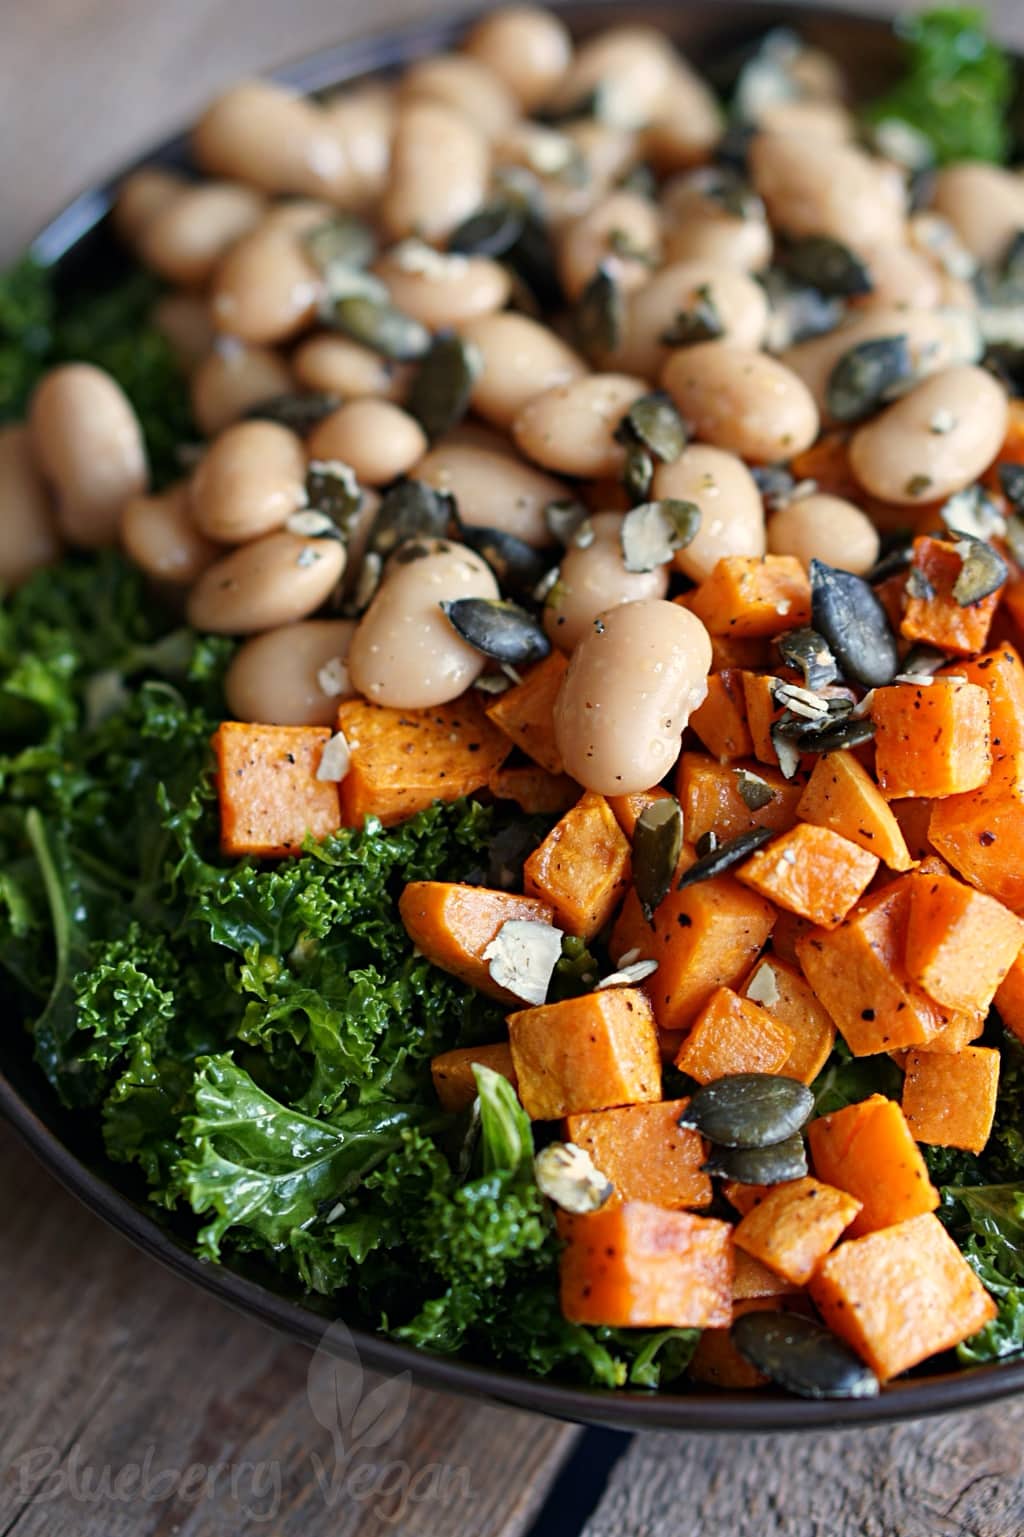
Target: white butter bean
x,y
28,528
439,170
593,579
742,400
631,67
813,187
731,510
183,320
527,47
251,479
268,582
186,238
571,429
520,359
493,488
345,368
465,85
738,301
264,134
159,535
622,233
278,678
232,379
827,528
141,195
983,203
441,291
265,289
379,440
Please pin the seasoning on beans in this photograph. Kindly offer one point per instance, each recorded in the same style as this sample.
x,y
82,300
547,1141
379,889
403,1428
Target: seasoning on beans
x,y
294,675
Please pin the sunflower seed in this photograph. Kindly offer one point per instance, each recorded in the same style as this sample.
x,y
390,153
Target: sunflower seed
x,y
800,701
367,581
376,324
300,413
567,1175
755,792
657,844
772,1165
763,987
863,378
786,751
517,565
409,510
343,241
440,392
706,844
809,652
702,322
333,678
492,683
628,976
849,615
335,759
802,1356
522,957
651,533
827,265
498,629
749,1110
654,422
598,316
982,573
725,856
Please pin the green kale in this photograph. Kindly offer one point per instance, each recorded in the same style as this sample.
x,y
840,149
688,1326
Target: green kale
x,y
846,1079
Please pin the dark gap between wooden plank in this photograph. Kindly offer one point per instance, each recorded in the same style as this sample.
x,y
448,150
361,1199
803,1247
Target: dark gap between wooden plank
x,y
576,1492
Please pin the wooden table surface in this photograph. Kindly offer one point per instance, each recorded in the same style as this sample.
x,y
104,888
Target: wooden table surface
x,y
132,1404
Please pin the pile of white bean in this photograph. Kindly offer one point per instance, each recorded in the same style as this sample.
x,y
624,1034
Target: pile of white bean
x,y
247,314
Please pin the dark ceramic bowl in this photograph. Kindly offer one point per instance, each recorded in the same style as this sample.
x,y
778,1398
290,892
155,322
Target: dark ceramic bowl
x,y
79,243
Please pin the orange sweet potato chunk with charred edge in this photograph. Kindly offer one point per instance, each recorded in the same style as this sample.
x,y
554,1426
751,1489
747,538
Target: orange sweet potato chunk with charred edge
x,y
901,1295
588,1053
639,1266
628,809
452,1072
709,793
732,1035
721,721
795,1226
960,943
762,713
981,833
533,789
582,868
744,652
525,713
810,871
949,1099
403,760
933,740
453,925
939,620
1009,999
842,796
779,987
748,595
270,798
708,935
645,1153
868,1150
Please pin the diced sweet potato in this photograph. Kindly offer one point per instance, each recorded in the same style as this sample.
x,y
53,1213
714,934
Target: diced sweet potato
x,y
586,1053
795,1226
842,796
717,1363
1001,674
404,760
938,619
270,798
709,793
828,463
628,809
960,943
750,596
762,713
901,1295
868,1150
453,925
742,651
639,1266
581,868
949,1098
960,1032
981,833
525,713
645,1153
752,1279
744,1197
731,1035
452,1072
810,871
786,930
533,789
913,816
931,740
1009,999
721,721
777,985
708,935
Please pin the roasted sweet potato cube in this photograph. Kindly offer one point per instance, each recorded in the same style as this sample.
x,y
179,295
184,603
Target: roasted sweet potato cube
x,y
717,1363
1009,999
736,650
721,721
842,796
404,760
645,1153
762,713
533,789
960,1032
744,1197
938,619
731,1035
710,795
452,1072
586,1053
1000,673
901,1295
582,867
639,1266
949,1098
270,798
960,943
453,925
778,986
981,833
810,871
628,809
868,1150
751,1279
795,1226
931,740
747,595
525,713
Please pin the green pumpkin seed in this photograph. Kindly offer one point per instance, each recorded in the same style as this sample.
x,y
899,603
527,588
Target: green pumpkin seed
x,y
775,484
1011,480
410,510
1015,536
651,533
598,316
802,1356
982,573
749,1110
332,489
864,378
564,520
725,856
827,265
498,629
700,323
655,424
375,323
796,313
918,585
641,180
657,844
923,661
706,844
439,397
810,653
755,792
846,611
637,474
772,1165
516,564
850,733
493,230
343,242
299,413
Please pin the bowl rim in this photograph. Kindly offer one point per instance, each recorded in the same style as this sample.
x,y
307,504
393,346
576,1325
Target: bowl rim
x,y
700,1411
